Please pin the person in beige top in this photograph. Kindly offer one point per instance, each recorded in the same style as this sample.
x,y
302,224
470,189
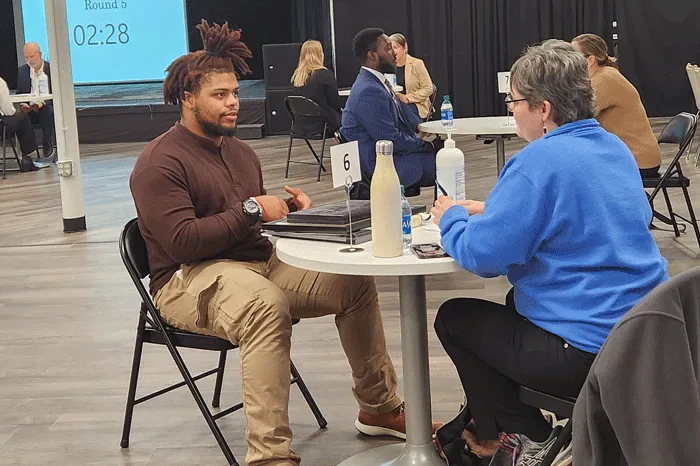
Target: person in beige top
x,y
619,107
412,74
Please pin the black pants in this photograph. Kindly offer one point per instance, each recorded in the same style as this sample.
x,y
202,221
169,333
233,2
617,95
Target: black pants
x,y
652,172
495,350
20,125
45,119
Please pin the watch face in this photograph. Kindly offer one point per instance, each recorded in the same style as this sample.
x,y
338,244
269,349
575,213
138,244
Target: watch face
x,y
251,207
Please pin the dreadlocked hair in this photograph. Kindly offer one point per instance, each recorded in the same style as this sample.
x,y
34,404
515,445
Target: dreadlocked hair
x,y
223,53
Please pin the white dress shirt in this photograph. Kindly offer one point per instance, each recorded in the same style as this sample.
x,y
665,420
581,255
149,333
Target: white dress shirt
x,y
6,107
382,79
34,75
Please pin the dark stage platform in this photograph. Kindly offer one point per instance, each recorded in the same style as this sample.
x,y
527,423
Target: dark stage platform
x,y
136,112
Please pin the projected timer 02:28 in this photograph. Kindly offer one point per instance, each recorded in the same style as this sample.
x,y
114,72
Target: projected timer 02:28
x,y
108,34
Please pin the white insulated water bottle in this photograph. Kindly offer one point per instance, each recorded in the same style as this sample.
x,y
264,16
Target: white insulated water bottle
x,y
385,201
449,163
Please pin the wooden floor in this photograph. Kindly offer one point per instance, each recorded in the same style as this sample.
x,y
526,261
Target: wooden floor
x,y
68,316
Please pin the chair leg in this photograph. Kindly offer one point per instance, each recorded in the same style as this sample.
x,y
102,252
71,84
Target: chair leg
x,y
289,156
219,379
135,366
693,220
562,439
320,160
296,378
197,395
676,231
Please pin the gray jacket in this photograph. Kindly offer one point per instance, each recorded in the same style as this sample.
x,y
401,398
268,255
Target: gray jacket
x,y
640,405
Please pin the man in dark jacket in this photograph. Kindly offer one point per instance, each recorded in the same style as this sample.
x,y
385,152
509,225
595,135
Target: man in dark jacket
x,y
640,404
41,112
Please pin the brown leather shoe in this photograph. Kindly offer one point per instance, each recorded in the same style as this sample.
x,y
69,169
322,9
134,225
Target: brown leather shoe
x,y
392,423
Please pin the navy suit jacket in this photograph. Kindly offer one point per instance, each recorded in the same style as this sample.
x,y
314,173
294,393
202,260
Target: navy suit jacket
x,y
370,115
24,78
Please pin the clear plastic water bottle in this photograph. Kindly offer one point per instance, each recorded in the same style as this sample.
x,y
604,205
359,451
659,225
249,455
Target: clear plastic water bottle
x,y
446,112
406,221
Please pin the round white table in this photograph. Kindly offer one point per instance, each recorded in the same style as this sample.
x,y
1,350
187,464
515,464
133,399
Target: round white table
x,y
498,128
346,92
20,98
325,257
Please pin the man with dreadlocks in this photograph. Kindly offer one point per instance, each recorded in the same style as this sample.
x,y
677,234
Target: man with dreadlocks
x,y
200,198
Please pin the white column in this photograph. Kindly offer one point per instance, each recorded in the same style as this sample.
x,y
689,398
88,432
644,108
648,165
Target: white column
x,y
64,111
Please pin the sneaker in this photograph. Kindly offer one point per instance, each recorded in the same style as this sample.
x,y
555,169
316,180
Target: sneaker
x,y
392,423
47,149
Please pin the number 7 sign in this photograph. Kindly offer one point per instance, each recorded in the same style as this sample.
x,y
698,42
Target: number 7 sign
x,y
345,164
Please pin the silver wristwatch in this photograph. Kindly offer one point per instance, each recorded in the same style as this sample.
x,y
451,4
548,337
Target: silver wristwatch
x,y
252,208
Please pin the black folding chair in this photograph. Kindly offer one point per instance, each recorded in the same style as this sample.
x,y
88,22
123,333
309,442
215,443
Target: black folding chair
x,y
680,130
310,124
151,329
431,108
562,407
6,137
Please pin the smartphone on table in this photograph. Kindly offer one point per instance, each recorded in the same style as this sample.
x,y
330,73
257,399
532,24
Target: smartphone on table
x,y
428,251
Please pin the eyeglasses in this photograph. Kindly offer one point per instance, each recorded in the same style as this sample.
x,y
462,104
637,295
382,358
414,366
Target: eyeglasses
x,y
510,102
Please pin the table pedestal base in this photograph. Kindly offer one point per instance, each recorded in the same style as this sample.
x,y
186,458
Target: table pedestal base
x,y
397,455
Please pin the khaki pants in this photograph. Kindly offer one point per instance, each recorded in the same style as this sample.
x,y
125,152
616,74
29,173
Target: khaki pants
x,y
252,304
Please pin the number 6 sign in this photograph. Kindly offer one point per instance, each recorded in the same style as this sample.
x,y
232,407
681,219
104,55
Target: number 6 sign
x,y
345,164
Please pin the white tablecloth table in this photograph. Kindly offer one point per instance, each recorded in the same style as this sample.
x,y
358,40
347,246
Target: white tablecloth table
x,y
498,128
326,257
23,98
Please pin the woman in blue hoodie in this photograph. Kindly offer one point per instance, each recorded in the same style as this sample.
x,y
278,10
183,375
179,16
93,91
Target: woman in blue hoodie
x,y
567,223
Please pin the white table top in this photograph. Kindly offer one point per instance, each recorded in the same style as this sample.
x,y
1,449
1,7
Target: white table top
x,y
346,92
326,257
19,98
478,125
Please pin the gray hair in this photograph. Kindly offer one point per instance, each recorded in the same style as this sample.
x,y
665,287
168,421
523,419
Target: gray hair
x,y
556,72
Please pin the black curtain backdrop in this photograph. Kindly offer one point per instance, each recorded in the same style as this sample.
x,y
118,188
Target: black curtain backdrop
x,y
353,15
261,22
465,43
657,39
8,44
489,35
311,19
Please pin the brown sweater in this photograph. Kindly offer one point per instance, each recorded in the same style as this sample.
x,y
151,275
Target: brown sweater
x,y
621,112
189,197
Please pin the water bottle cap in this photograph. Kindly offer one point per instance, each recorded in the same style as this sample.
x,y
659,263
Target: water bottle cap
x,y
384,147
402,189
445,97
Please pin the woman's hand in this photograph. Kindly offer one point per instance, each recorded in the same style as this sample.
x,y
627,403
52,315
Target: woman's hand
x,y
473,207
441,205
402,97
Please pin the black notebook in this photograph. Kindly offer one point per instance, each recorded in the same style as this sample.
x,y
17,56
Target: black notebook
x,y
336,213
332,214
286,226
358,237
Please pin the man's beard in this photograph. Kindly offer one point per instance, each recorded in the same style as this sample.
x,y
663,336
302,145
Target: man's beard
x,y
213,129
386,67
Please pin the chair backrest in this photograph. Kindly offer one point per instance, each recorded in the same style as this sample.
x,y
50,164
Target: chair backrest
x,y
680,130
431,109
132,249
694,78
308,119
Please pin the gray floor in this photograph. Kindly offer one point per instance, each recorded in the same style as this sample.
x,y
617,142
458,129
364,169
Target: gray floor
x,y
68,314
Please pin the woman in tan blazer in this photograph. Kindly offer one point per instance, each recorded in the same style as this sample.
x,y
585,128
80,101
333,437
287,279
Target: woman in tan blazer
x,y
619,108
412,74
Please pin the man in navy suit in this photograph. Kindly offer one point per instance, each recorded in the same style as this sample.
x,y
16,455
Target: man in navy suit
x,y
373,113
28,83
